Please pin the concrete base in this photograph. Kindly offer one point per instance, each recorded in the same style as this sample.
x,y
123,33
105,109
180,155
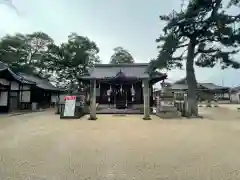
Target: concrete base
x,y
168,112
147,118
69,117
92,118
168,109
119,111
169,115
195,117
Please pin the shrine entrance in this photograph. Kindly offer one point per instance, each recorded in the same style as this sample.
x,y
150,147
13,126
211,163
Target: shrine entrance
x,y
122,94
120,101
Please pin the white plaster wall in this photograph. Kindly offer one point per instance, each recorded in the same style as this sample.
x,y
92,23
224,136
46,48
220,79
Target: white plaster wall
x,y
25,96
235,97
97,91
226,95
54,98
14,85
138,106
3,98
26,87
4,81
61,98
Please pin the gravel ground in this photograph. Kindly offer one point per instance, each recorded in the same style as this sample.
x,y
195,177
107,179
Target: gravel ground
x,y
40,146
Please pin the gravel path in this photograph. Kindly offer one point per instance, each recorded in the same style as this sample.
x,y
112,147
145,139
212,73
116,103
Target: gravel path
x,y
42,147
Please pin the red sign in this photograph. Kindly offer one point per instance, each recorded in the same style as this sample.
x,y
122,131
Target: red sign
x,y
70,98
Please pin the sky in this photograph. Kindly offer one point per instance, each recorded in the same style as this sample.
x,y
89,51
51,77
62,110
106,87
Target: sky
x,y
132,24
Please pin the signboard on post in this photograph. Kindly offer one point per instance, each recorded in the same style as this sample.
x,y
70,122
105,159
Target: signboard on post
x,y
70,104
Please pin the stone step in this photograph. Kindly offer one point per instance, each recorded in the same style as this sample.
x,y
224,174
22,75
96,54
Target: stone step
x,y
169,115
167,109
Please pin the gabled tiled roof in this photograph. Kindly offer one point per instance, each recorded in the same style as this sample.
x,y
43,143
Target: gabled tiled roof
x,y
40,82
178,87
181,81
109,71
166,84
29,79
238,88
136,70
211,86
235,89
182,84
4,68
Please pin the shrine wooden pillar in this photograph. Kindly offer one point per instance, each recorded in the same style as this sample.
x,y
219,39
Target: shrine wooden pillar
x,y
146,99
93,100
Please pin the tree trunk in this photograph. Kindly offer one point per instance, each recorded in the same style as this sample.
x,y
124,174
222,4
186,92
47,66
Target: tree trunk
x,y
192,110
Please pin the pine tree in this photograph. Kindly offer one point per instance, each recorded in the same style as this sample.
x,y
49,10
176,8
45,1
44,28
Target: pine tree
x,y
205,35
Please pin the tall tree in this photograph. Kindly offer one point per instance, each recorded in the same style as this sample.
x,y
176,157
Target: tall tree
x,y
71,60
25,53
12,51
209,35
37,47
121,56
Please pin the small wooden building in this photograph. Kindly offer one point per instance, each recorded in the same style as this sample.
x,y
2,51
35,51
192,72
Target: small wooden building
x,y
20,91
14,90
43,93
205,90
122,86
235,95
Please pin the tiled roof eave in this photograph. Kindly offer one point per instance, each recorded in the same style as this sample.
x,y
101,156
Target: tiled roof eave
x,y
48,88
16,77
104,78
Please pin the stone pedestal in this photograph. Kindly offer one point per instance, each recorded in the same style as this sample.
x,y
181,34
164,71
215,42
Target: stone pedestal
x,y
165,106
93,100
215,103
208,103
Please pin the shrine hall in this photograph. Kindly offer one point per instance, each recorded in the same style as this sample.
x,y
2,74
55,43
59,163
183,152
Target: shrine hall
x,y
122,86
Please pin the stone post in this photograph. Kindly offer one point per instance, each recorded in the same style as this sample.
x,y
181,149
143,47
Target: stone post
x,y
146,94
93,100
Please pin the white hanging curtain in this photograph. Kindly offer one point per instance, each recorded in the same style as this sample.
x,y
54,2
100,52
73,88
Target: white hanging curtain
x,y
133,93
110,88
121,89
109,91
133,90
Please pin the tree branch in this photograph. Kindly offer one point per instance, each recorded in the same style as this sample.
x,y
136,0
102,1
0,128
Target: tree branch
x,y
183,45
207,51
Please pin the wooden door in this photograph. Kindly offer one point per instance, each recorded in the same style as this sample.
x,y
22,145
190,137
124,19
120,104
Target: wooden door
x,y
13,101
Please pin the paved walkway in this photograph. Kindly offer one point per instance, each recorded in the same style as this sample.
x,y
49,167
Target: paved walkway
x,y
40,146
